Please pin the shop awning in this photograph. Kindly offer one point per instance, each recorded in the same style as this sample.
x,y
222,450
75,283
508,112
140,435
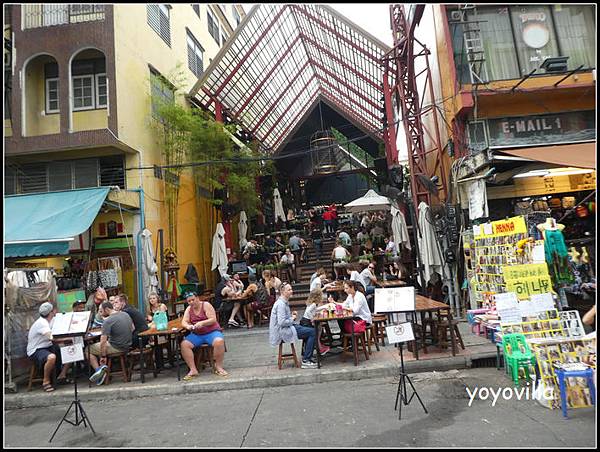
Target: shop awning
x,y
43,224
579,155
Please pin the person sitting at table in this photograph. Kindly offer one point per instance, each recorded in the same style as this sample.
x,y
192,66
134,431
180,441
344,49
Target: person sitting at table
x,y
362,236
345,239
139,322
93,303
317,273
115,339
390,246
283,329
357,302
290,266
200,320
78,306
42,351
353,273
339,256
258,297
366,247
368,278
237,283
230,292
272,283
320,282
154,305
314,303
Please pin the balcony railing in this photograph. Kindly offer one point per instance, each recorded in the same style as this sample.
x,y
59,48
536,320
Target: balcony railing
x,y
42,15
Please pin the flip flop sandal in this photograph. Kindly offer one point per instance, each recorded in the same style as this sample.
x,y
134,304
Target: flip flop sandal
x,y
189,377
221,373
48,387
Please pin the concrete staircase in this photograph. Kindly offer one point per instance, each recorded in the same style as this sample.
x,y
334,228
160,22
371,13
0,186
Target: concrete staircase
x,y
304,272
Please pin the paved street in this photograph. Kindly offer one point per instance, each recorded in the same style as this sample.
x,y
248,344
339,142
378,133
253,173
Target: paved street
x,y
356,414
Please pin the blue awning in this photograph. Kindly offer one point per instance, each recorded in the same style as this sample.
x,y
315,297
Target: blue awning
x,y
43,224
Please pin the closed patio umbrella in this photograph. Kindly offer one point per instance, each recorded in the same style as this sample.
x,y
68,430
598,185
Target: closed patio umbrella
x,y
149,278
429,248
243,229
219,250
278,204
400,230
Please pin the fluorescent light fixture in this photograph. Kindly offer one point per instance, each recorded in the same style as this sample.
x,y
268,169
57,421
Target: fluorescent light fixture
x,y
511,157
567,171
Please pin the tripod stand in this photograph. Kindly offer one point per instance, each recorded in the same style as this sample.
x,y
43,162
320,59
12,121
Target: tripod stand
x,y
402,393
78,409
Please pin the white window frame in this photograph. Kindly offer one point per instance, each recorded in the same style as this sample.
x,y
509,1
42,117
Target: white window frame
x,y
48,110
215,20
91,77
97,91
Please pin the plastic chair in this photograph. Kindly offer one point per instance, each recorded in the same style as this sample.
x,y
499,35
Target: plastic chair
x,y
562,375
518,356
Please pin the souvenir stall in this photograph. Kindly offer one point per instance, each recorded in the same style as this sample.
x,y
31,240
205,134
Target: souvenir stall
x,y
25,289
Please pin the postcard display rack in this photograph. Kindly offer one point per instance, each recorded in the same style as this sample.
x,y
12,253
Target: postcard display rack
x,y
494,247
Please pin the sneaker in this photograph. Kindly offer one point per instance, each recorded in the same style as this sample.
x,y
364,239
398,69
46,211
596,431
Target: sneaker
x,y
102,379
233,323
98,374
324,350
308,365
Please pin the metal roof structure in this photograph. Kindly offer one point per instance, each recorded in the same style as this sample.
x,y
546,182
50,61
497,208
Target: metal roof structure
x,y
282,60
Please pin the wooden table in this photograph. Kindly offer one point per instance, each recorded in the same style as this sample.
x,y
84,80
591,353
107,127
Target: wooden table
x,y
390,283
337,287
424,305
244,301
326,316
174,328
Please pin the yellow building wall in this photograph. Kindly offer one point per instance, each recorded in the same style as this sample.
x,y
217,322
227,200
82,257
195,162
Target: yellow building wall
x,y
7,128
37,121
137,46
90,120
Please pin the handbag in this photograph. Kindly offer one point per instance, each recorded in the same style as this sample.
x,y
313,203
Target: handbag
x,y
160,320
360,326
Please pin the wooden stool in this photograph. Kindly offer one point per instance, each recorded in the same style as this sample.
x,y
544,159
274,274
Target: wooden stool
x,y
35,376
202,355
371,334
123,371
355,338
290,356
146,352
380,321
449,326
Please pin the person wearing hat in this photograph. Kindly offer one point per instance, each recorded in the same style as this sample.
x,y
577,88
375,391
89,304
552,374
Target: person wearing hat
x,y
78,306
200,320
41,350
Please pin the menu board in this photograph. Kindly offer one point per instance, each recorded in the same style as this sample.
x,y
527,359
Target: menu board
x,y
70,323
400,333
527,280
395,299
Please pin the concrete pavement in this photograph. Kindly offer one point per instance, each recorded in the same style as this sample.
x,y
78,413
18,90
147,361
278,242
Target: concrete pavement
x,y
351,414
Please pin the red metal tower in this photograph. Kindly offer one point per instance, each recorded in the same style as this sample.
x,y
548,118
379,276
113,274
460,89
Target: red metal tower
x,y
400,84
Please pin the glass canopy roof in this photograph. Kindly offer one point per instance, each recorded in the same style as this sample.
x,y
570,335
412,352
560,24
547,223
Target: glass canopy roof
x,y
282,59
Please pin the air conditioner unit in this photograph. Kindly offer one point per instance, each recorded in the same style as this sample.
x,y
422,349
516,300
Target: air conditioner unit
x,y
456,16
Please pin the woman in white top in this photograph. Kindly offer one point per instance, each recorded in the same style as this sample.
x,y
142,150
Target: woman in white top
x,y
357,302
353,273
338,255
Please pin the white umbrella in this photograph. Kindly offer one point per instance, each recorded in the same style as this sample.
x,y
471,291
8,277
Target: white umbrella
x,y
243,229
370,201
429,249
149,278
400,230
278,204
219,250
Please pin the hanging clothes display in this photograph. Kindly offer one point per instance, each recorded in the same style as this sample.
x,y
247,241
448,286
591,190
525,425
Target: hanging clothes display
x,y
400,230
243,229
429,249
556,252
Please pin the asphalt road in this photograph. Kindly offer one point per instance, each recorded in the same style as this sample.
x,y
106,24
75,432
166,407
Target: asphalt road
x,y
354,414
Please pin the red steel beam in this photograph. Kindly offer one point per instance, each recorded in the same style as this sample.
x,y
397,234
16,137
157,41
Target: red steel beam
x,y
301,111
314,18
285,112
340,61
266,77
391,151
250,50
349,111
289,85
339,80
339,93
